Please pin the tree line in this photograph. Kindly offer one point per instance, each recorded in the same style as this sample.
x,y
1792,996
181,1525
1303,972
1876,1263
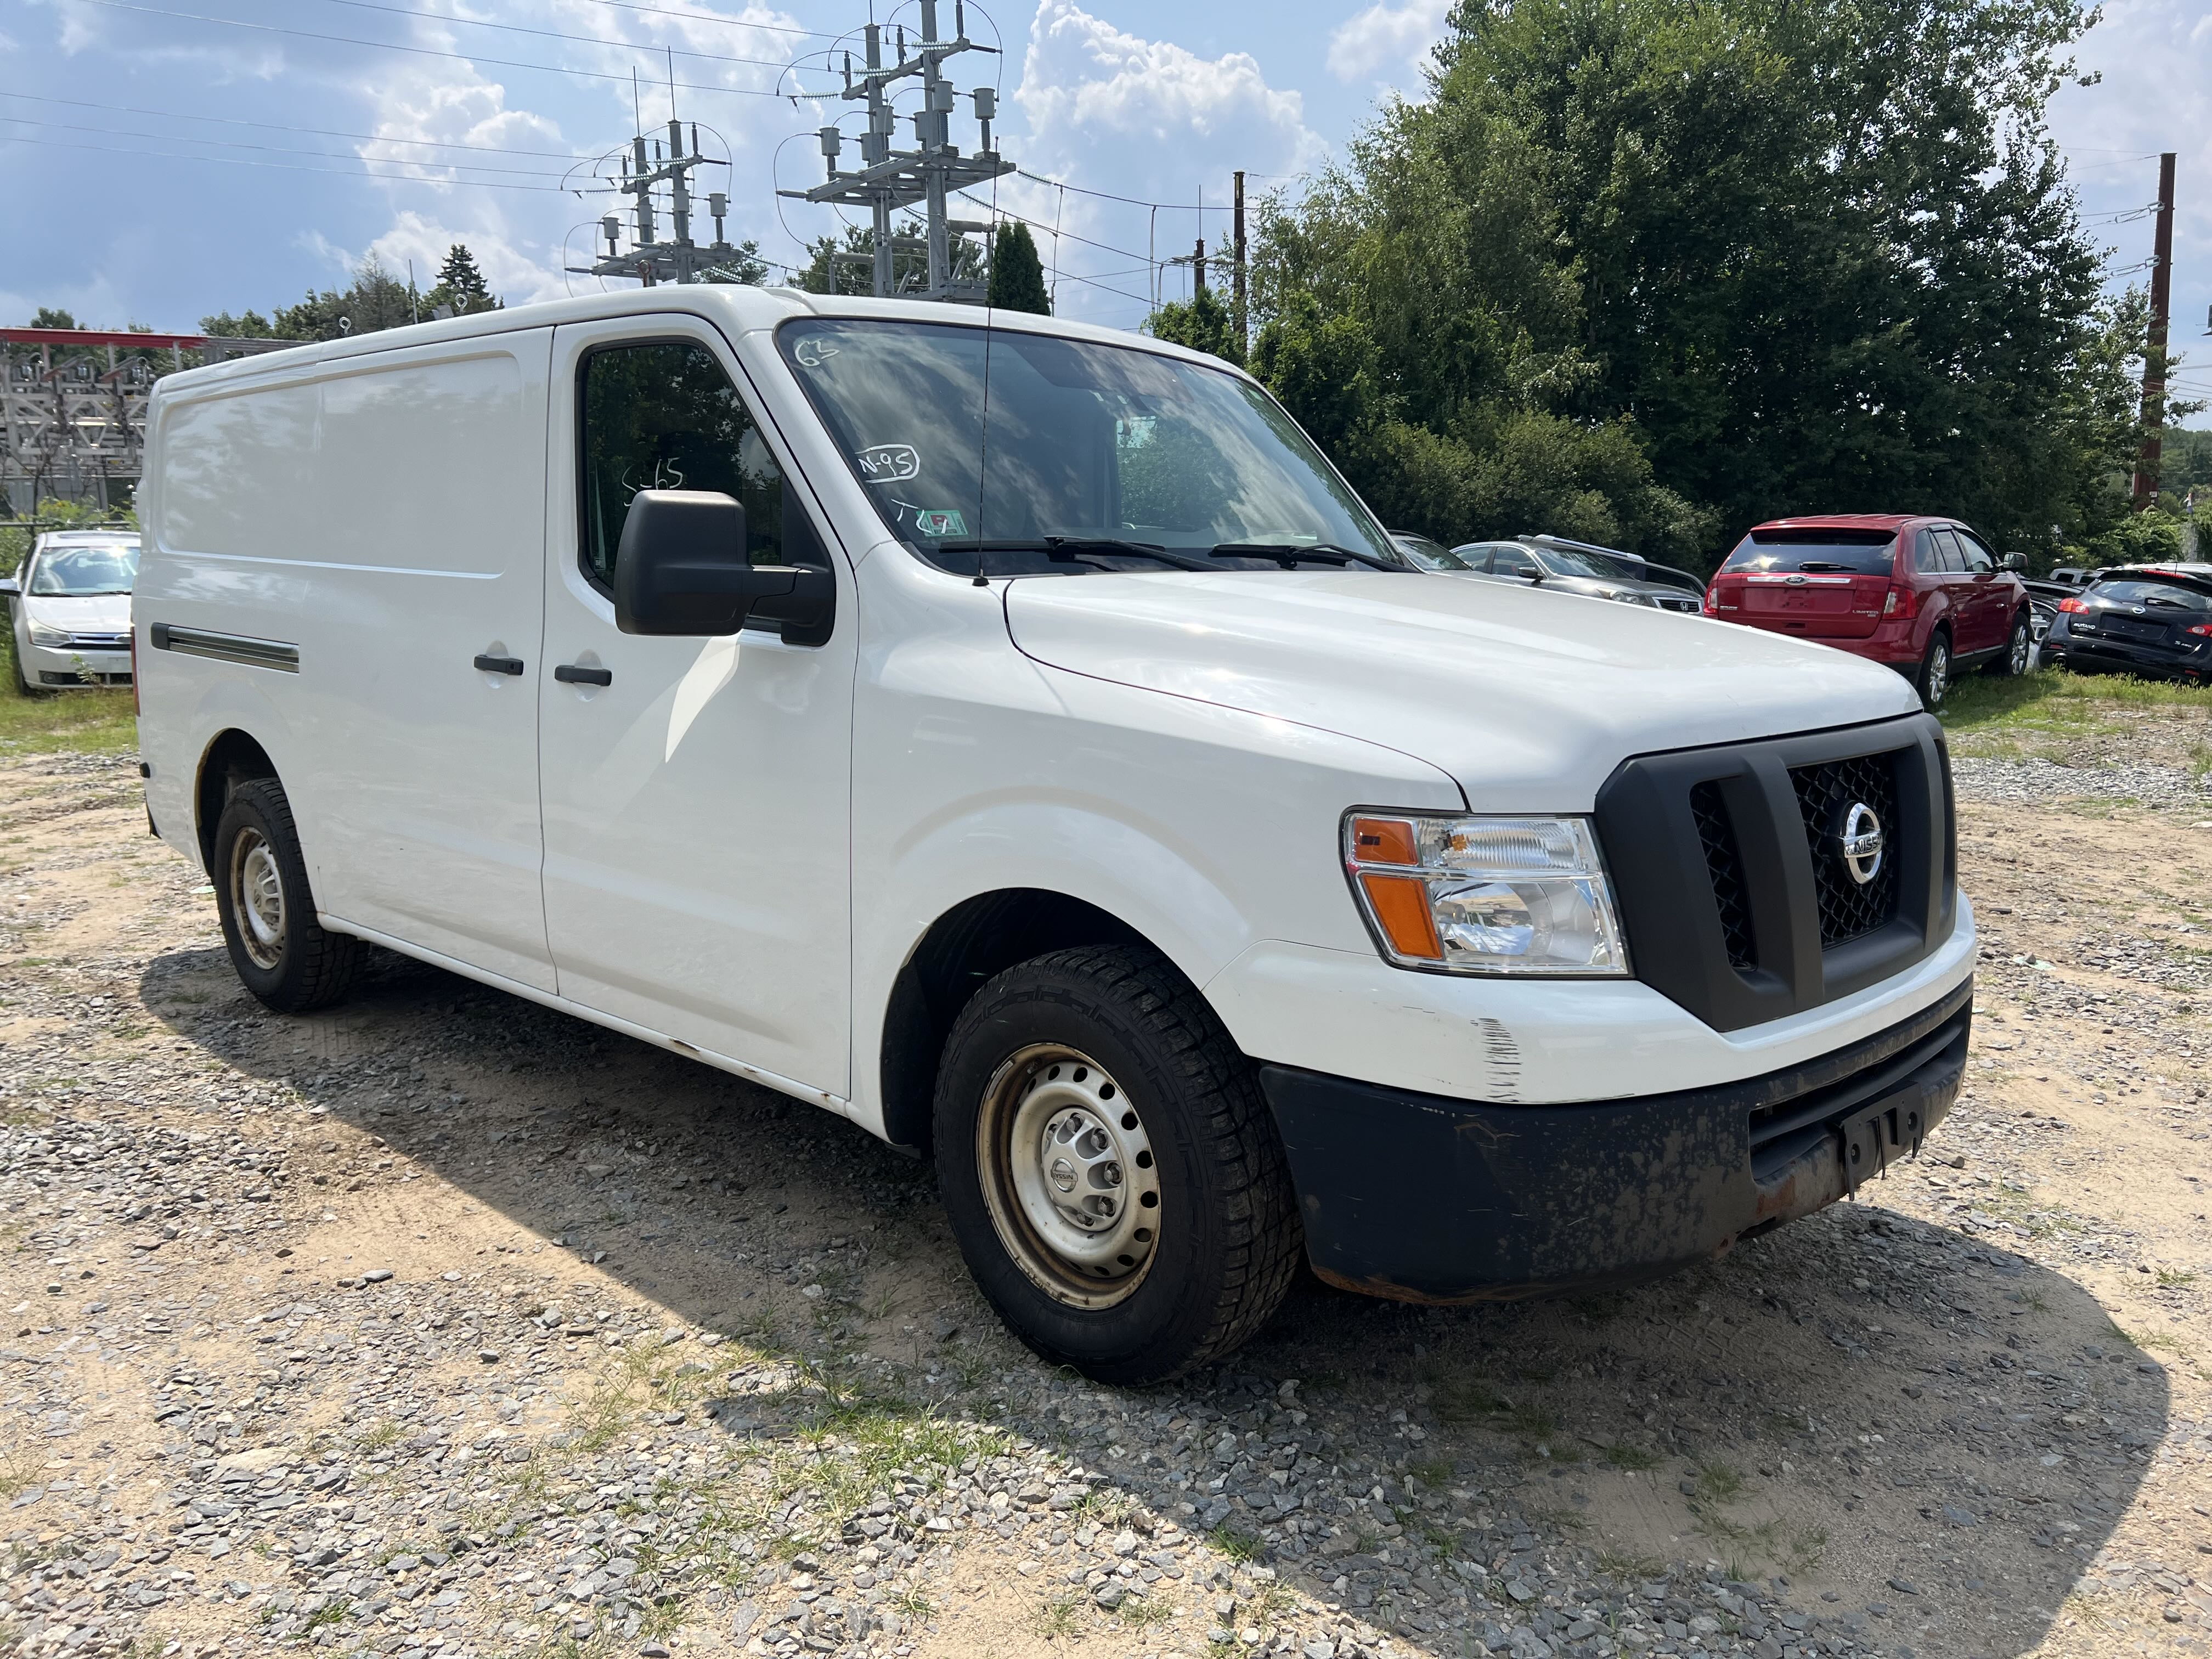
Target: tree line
x,y
1647,272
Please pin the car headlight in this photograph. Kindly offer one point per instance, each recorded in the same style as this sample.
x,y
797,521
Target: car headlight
x,y
1485,894
1627,596
42,635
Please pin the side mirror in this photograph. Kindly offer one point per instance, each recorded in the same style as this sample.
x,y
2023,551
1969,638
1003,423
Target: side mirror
x,y
2014,563
681,571
10,588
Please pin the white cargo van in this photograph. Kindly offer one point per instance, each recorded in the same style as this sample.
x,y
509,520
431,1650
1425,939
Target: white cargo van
x,y
1014,736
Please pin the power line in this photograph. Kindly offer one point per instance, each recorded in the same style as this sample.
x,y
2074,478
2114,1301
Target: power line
x,y
656,48
432,51
281,150
281,167
1133,201
312,133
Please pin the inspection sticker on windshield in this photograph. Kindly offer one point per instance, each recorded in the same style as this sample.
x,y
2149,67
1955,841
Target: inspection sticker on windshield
x,y
940,521
888,463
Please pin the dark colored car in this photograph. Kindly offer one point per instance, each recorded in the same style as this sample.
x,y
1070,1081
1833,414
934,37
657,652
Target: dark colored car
x,y
2152,620
1925,595
1597,573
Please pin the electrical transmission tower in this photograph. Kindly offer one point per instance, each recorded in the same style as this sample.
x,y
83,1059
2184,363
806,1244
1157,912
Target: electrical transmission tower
x,y
678,259
889,178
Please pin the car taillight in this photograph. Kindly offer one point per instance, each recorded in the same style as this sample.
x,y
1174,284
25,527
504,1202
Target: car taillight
x,y
2073,605
2202,630
1710,604
1901,601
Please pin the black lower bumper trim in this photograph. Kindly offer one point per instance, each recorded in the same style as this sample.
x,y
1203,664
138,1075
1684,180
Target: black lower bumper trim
x,y
1426,1198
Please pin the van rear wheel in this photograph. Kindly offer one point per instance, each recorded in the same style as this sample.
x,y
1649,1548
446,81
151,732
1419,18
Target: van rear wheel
x,y
282,953
1111,1168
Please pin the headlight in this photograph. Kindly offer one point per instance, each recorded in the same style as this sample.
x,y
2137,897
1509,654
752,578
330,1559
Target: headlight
x,y
1627,597
42,635
1485,894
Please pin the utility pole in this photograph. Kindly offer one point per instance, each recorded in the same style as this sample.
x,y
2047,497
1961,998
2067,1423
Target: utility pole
x,y
929,173
648,259
1198,267
1237,225
2154,381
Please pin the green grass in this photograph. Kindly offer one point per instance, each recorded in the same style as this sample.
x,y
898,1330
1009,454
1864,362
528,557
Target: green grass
x,y
2035,714
87,722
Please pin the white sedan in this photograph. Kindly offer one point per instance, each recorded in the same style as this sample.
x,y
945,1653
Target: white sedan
x,y
71,605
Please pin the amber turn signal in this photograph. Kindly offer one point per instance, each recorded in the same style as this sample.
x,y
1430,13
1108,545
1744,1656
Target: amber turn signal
x,y
1400,904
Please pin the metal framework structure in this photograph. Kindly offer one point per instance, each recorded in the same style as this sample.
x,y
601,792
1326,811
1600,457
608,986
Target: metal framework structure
x,y
678,259
73,407
889,179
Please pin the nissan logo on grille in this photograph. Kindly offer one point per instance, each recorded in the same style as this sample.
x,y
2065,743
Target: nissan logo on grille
x,y
1858,842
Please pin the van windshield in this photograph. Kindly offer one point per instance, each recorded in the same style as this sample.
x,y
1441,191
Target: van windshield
x,y
80,570
1016,453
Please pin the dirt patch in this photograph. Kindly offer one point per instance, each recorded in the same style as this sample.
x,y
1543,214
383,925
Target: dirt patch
x,y
441,1322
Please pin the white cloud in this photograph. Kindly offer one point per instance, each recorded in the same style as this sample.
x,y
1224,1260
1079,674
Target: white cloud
x,y
1109,110
1084,80
1387,41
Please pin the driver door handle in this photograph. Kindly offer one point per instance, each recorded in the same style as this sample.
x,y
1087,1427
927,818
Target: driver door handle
x,y
569,674
500,664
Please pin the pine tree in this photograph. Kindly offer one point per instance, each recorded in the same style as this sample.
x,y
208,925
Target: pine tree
x,y
460,277
1017,273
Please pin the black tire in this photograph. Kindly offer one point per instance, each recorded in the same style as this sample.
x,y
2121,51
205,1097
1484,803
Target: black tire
x,y
1227,1242
2019,652
1933,680
282,953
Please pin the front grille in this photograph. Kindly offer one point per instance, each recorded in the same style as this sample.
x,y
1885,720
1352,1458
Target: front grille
x,y
1685,602
101,642
1724,864
1825,793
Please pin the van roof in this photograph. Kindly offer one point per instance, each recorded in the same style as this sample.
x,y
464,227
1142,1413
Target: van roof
x,y
738,307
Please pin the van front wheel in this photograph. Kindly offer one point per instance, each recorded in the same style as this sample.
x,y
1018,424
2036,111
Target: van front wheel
x,y
1110,1167
282,953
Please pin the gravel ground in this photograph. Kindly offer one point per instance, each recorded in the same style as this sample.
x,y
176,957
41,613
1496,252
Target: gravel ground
x,y
442,1324
2034,781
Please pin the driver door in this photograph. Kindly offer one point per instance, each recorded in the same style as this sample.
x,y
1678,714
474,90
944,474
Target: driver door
x,y
696,791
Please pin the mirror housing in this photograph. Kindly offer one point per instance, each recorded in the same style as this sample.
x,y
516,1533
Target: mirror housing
x,y
10,587
681,572
2015,563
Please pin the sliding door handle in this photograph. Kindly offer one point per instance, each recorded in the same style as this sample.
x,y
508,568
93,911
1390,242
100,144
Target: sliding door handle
x,y
569,674
500,664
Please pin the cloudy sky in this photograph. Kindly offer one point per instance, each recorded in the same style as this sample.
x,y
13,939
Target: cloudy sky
x,y
169,158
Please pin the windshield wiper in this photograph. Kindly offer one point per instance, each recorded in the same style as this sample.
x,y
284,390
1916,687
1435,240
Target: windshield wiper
x,y
1065,549
1289,553
1814,566
1070,546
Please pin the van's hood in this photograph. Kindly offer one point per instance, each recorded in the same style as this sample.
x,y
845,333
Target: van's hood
x,y
1529,698
94,613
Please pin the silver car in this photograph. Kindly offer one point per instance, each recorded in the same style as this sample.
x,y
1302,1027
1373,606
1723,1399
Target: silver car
x,y
1566,567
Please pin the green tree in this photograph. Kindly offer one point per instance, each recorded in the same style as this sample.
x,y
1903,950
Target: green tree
x,y
1202,323
844,264
1803,257
1017,273
53,317
249,325
374,300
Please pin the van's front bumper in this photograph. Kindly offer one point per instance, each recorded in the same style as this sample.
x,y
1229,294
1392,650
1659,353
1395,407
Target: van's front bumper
x,y
1429,1198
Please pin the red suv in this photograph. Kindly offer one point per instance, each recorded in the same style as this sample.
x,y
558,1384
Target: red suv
x,y
1926,596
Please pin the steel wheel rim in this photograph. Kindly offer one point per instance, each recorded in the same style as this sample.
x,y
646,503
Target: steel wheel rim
x,y
1939,672
257,895
1069,1176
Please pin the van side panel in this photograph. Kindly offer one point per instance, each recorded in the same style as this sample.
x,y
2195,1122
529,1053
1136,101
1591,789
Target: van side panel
x,y
383,514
